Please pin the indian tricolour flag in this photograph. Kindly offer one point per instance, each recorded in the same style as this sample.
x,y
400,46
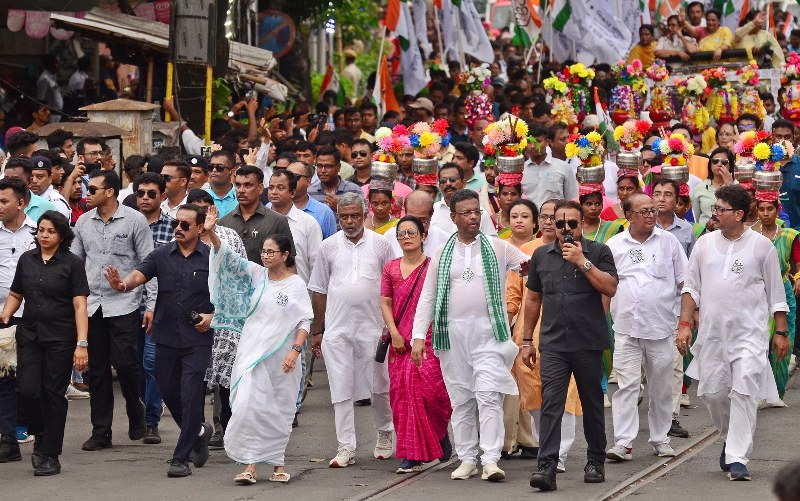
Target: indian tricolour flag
x,y
331,82
528,23
733,11
400,21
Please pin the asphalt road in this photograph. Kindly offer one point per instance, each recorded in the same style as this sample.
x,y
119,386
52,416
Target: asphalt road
x,y
132,470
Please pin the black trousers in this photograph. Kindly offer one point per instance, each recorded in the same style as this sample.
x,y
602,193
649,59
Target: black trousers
x,y
114,341
555,369
43,374
180,374
8,407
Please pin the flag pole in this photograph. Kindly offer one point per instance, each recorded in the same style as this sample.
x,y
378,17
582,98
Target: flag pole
x,y
438,32
461,60
380,50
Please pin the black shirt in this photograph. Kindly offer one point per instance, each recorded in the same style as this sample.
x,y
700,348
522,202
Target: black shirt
x,y
182,282
263,223
48,289
572,313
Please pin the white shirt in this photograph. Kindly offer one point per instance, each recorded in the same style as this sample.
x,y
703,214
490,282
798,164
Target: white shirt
x,y
441,219
59,201
172,212
553,178
307,236
48,92
12,245
192,143
124,192
436,237
649,274
76,82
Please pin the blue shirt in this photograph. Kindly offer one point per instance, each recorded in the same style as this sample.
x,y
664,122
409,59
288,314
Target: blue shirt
x,y
225,204
38,206
790,191
323,214
182,285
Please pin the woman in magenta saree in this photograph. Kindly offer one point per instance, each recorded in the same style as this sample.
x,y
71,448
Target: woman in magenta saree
x,y
420,404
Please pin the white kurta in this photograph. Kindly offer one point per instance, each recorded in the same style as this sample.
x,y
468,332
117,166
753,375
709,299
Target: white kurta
x,y
476,361
307,236
436,237
738,286
350,275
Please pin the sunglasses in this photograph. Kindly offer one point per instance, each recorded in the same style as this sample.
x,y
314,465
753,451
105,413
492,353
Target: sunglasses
x,y
359,153
150,193
451,180
719,161
572,223
407,233
93,189
217,167
185,225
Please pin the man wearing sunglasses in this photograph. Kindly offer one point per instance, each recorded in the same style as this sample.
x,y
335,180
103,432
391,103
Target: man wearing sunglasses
x,y
361,157
116,235
220,175
651,265
176,173
735,278
451,179
567,281
181,330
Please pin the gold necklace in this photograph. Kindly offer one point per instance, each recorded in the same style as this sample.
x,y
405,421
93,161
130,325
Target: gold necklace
x,y
774,233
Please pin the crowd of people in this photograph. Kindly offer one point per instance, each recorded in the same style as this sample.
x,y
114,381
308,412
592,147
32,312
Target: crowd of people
x,y
443,291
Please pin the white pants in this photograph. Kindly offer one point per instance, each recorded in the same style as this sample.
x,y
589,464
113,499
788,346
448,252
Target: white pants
x,y
734,415
567,432
489,406
677,382
657,354
344,416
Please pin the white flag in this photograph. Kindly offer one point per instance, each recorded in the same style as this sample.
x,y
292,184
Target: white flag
x,y
474,40
421,26
413,68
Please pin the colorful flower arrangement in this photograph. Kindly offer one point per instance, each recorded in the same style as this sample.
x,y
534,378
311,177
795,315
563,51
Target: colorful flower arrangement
x,y
478,106
578,74
630,74
693,86
563,111
658,71
675,149
751,102
623,98
554,85
630,134
427,139
747,142
588,149
507,137
791,68
715,77
769,154
748,75
390,143
723,104
476,78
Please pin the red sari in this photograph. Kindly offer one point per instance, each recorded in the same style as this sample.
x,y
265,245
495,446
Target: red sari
x,y
419,400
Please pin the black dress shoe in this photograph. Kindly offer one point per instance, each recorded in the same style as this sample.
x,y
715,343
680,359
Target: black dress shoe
x,y
217,441
447,448
136,431
545,477
676,430
96,443
50,466
594,472
36,457
526,452
199,454
295,424
9,452
364,402
151,436
179,469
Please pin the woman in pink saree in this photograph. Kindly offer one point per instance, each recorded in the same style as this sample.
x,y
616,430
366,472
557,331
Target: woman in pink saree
x,y
420,404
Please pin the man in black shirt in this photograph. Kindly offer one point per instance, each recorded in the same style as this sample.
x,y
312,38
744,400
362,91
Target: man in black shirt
x,y
183,343
567,281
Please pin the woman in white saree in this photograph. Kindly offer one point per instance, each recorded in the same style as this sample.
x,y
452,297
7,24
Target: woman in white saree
x,y
270,306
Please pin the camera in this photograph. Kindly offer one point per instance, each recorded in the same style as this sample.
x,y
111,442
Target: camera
x,y
91,167
205,151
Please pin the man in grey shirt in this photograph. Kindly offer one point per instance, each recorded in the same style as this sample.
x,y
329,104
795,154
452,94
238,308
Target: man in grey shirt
x,y
546,177
115,235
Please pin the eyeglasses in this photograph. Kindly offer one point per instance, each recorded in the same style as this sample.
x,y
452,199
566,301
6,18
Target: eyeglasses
x,y
648,161
94,189
721,210
269,252
646,212
217,167
185,225
92,153
451,180
326,166
743,128
407,233
167,177
359,153
547,217
722,161
150,193
467,213
572,223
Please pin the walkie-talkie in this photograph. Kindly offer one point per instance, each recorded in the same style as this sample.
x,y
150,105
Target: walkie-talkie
x,y
194,317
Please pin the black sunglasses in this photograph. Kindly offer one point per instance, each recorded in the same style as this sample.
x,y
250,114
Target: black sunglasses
x,y
356,154
217,167
185,225
572,223
452,180
93,189
150,193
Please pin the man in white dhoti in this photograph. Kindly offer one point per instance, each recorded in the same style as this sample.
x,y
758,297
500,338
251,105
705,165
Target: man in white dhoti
x,y
651,265
346,299
464,296
735,279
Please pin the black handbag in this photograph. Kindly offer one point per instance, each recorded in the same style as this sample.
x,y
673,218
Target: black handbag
x,y
386,338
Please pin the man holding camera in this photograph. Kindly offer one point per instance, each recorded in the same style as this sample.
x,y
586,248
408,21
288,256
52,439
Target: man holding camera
x,y
566,282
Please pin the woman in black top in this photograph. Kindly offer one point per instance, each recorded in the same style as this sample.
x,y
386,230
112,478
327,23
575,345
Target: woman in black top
x,y
52,281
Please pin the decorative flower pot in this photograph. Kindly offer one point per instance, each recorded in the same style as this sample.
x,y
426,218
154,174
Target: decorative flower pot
x,y
768,180
629,160
510,165
745,169
592,175
621,116
726,118
383,176
677,173
425,165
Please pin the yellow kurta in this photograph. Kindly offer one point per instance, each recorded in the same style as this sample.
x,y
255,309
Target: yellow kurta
x,y
722,36
744,38
529,381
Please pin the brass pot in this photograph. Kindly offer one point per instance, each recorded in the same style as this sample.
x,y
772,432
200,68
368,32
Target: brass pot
x,y
629,160
511,165
768,180
745,169
592,175
383,176
677,173
425,165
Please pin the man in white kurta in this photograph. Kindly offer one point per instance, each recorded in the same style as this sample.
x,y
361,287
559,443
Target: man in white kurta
x,y
651,266
735,279
346,286
477,367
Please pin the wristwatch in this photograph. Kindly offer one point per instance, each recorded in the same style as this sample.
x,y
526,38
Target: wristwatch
x,y
782,333
298,348
83,344
586,266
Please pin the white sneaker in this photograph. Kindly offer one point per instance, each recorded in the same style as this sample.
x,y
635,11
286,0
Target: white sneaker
x,y
792,364
384,447
345,456
76,394
492,473
612,378
606,401
560,467
664,450
464,471
685,402
619,453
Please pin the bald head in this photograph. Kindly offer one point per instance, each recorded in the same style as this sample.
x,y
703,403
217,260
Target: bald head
x,y
301,169
420,205
636,201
